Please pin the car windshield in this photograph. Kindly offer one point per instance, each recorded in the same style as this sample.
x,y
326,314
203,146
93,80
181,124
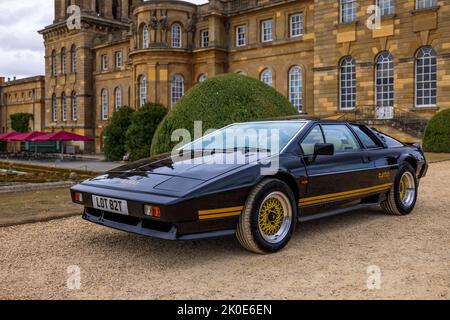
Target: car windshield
x,y
249,137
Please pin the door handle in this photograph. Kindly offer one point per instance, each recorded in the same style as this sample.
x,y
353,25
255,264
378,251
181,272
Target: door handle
x,y
367,159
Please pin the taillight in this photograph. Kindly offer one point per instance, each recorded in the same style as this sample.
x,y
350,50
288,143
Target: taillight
x,y
78,197
152,211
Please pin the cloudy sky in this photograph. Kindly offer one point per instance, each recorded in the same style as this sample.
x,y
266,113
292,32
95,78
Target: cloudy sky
x,y
21,47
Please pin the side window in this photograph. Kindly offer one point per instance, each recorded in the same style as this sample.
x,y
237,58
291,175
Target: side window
x,y
365,138
315,136
342,138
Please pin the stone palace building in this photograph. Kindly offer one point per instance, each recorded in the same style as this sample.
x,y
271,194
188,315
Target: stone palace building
x,y
336,59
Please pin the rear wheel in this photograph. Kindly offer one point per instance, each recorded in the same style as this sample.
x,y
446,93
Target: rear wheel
x,y
269,217
402,198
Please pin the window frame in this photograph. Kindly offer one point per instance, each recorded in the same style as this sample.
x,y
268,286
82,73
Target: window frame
x,y
422,4
263,30
74,106
104,104
242,27
352,87
302,27
143,90
263,74
104,62
344,7
63,107
432,84
382,86
204,38
73,57
176,93
63,61
54,108
290,87
176,40
118,98
118,59
145,37
387,10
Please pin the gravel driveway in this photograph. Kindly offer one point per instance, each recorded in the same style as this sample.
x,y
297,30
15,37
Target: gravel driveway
x,y
326,259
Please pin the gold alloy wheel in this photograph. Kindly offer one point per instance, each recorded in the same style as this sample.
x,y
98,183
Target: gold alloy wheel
x,y
275,217
407,189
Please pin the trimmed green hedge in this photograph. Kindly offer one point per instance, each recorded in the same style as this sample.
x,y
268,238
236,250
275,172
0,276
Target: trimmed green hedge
x,y
219,102
437,133
115,134
20,122
143,126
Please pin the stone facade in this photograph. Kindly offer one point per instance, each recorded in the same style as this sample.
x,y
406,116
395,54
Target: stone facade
x,y
22,96
129,52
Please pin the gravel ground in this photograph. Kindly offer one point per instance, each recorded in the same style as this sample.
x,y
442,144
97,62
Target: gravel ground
x,y
326,259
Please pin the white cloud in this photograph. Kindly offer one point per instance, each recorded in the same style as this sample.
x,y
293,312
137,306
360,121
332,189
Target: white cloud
x,y
21,47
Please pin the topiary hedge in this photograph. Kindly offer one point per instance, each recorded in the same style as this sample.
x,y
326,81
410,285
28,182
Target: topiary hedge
x,y
437,133
143,126
20,122
219,102
115,134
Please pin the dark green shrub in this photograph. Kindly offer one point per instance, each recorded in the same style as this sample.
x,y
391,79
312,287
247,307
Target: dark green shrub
x,y
20,122
219,102
143,126
437,133
115,134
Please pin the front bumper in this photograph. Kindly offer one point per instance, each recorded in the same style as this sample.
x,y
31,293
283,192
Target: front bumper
x,y
149,228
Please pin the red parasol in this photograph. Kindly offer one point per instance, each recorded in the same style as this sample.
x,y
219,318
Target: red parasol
x,y
5,136
27,136
62,136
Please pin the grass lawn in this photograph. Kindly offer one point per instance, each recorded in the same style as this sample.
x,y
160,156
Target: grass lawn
x,y
33,206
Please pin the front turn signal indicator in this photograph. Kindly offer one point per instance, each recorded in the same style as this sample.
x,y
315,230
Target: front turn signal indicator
x,y
152,211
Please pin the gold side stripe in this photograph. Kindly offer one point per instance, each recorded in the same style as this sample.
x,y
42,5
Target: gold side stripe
x,y
361,193
223,210
331,195
221,215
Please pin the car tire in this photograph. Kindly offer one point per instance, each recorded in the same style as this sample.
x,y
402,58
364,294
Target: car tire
x,y
269,217
402,198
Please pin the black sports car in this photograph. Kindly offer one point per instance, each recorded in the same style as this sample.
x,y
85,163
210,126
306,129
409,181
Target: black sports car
x,y
257,180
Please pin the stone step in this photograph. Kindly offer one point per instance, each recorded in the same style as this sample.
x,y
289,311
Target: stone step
x,y
396,133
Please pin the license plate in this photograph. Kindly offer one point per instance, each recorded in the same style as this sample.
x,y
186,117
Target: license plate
x,y
110,205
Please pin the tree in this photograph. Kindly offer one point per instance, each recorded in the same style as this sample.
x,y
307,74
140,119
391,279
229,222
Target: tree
x,y
115,134
219,102
20,122
143,126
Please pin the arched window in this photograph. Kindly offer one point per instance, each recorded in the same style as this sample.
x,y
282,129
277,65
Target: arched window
x,y
347,83
142,90
63,107
104,98
296,87
384,80
115,9
202,77
74,106
145,38
176,36
426,77
176,88
53,63
266,77
63,61
73,56
118,98
54,108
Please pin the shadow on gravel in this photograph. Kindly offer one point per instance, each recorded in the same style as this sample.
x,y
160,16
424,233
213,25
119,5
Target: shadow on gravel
x,y
138,247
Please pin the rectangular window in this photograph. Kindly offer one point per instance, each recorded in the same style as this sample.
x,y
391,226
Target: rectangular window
x,y
296,25
423,4
118,58
386,7
348,11
241,36
104,62
266,31
204,38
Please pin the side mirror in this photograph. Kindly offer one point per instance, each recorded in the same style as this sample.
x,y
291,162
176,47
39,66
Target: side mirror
x,y
323,149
